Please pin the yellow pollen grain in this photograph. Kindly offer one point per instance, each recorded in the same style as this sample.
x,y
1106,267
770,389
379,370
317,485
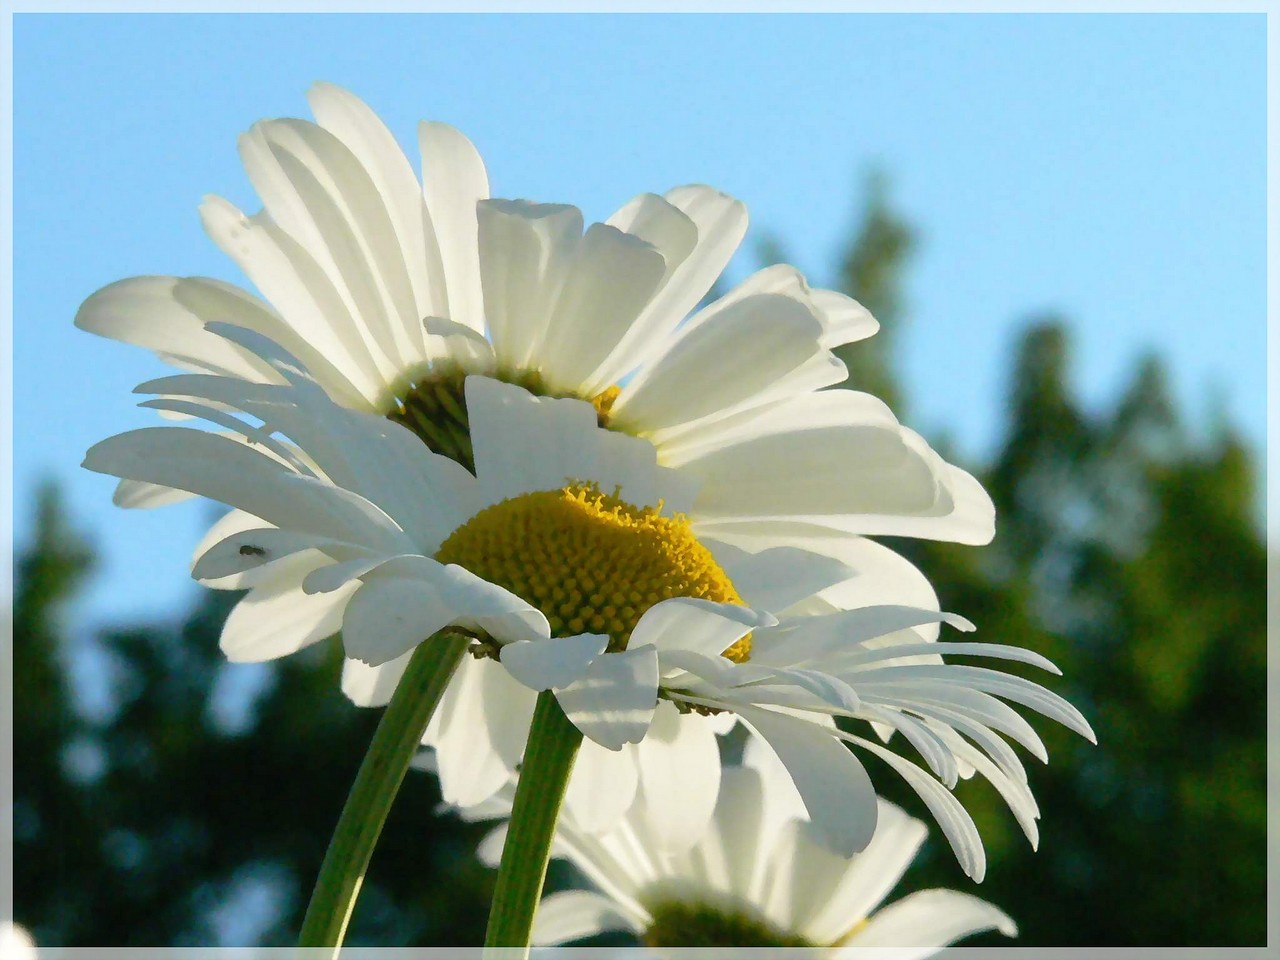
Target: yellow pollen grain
x,y
591,562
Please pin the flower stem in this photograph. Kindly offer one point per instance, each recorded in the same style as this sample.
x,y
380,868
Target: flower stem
x,y
544,776
394,743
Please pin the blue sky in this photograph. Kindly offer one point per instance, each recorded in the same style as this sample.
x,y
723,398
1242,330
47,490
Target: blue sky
x,y
1108,167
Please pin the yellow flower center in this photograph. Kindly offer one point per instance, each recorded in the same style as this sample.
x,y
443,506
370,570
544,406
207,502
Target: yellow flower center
x,y
591,562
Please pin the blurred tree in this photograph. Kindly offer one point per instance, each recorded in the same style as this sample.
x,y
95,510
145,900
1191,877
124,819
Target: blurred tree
x,y
165,823
1126,553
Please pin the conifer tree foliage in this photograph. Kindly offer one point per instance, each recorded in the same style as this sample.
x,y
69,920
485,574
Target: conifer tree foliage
x,y
163,823
1125,551
1133,557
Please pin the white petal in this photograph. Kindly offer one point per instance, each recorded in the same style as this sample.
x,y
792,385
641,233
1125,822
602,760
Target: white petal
x,y
721,221
508,711
847,320
389,616
576,914
733,857
526,250
139,495
868,878
680,774
836,789
489,852
346,228
614,701
848,470
334,575
408,599
823,410
276,618
700,626
1008,686
246,549
613,276
234,474
553,662
454,181
470,768
931,919
368,138
780,801
821,639
776,578
367,686
660,223
231,522
602,788
147,312
524,443
464,346
956,824
966,515
723,364
300,289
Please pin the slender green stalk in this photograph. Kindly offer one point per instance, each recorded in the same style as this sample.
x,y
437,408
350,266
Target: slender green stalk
x,y
394,743
544,776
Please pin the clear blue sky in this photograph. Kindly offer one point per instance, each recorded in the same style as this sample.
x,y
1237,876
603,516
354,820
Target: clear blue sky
x,y
1109,167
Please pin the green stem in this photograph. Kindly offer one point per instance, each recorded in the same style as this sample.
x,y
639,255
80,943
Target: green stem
x,y
544,777
394,743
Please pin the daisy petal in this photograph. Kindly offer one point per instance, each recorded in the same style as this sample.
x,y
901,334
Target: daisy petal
x,y
680,773
454,181
247,549
867,879
834,786
277,618
576,914
613,276
955,821
816,471
139,495
931,919
603,786
373,144
367,686
721,222
389,616
732,358
146,311
614,700
526,249
700,626
778,577
554,662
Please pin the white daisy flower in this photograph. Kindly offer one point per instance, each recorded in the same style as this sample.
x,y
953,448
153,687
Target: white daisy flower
x,y
610,599
758,876
572,587
390,292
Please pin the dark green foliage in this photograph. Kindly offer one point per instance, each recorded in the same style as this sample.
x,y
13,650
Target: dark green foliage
x,y
184,812
1126,553
1133,559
